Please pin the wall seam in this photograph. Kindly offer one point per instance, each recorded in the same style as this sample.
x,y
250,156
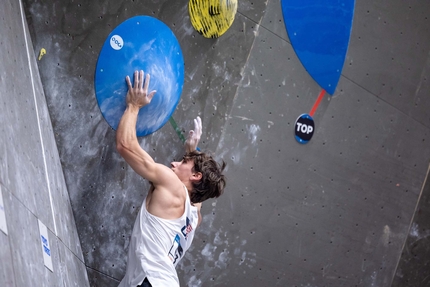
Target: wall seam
x,y
37,115
257,29
410,225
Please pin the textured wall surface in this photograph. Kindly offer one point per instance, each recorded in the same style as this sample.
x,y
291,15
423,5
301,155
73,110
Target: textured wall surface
x,y
334,212
31,179
413,268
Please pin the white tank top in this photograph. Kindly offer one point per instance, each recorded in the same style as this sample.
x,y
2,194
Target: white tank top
x,y
157,245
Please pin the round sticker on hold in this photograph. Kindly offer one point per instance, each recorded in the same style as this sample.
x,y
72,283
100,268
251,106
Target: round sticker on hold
x,y
304,128
116,42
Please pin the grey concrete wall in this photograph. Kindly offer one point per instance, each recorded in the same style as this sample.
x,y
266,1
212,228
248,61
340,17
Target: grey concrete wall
x,y
334,212
31,178
413,268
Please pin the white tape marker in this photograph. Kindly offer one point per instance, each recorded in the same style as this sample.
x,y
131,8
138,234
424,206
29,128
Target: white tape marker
x,y
46,247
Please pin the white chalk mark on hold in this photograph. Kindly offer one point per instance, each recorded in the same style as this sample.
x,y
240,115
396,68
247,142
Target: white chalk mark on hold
x,y
3,224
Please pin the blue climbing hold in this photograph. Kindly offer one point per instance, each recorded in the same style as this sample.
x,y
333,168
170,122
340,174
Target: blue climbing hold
x,y
140,43
319,31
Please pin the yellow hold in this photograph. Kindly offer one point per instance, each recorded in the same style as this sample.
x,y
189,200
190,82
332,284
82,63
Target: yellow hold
x,y
41,53
212,18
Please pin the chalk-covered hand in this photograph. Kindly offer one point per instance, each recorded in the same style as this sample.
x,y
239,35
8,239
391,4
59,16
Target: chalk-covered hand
x,y
193,137
137,95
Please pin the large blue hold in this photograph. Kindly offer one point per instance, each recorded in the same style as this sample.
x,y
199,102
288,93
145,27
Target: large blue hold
x,y
319,31
140,43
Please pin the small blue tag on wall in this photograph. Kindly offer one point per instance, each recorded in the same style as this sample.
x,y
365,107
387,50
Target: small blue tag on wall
x,y
319,32
140,43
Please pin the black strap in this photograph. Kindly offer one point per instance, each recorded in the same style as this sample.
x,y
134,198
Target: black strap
x,y
145,283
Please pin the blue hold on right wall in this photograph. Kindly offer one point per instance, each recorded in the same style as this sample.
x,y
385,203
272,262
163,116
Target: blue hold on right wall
x,y
319,31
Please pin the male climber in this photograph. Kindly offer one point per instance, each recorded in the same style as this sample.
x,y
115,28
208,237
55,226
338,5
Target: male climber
x,y
165,225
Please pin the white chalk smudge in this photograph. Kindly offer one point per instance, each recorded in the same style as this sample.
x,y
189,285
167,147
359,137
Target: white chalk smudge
x,y
374,276
223,260
256,31
386,236
243,118
194,282
414,230
242,259
253,131
247,84
207,251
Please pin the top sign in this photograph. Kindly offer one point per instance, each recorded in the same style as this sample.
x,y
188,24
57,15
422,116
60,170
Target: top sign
x,y
304,128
